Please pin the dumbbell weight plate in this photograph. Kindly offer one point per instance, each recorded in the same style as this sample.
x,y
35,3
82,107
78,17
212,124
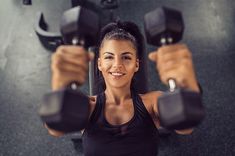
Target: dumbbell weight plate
x,y
180,109
66,110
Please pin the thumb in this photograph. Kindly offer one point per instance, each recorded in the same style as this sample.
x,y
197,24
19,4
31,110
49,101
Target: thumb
x,y
91,55
153,56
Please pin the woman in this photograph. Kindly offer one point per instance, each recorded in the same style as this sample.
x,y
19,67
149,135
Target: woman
x,y
122,122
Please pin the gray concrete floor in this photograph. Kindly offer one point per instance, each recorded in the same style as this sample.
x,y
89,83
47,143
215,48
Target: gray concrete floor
x,y
25,75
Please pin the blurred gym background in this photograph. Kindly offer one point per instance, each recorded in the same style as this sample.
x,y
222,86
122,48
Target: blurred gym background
x,y
25,75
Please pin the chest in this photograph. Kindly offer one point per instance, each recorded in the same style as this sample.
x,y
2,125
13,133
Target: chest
x,y
119,114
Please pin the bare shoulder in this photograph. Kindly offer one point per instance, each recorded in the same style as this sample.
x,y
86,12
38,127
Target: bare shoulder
x,y
150,99
151,96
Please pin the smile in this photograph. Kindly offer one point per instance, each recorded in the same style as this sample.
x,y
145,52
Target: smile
x,y
117,74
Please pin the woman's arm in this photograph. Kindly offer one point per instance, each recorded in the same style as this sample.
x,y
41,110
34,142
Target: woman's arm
x,y
53,132
69,64
175,61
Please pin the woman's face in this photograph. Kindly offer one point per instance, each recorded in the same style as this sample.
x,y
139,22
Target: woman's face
x,y
118,62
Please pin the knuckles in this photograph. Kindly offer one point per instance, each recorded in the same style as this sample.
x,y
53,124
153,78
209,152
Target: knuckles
x,y
56,61
174,61
68,56
68,63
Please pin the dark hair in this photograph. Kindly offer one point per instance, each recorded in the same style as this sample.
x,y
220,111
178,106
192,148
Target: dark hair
x,y
125,31
120,31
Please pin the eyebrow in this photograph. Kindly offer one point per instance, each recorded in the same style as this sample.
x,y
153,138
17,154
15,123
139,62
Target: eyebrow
x,y
124,53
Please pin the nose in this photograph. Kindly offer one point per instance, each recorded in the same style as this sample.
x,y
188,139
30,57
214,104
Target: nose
x,y
117,63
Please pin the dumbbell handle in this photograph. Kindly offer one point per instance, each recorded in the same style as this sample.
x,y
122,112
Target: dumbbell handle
x,y
78,41
75,85
165,40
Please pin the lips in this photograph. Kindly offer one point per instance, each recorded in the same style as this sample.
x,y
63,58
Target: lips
x,y
117,74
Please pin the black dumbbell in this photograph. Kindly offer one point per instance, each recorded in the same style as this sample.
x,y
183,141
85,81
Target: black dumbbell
x,y
109,4
27,2
178,108
80,26
67,110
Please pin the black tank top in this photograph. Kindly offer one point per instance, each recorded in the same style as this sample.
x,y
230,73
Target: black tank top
x,y
137,137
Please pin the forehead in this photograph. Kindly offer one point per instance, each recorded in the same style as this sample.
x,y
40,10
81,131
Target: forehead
x,y
117,46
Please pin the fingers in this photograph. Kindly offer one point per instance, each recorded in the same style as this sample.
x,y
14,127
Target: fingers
x,y
153,56
91,55
168,61
174,61
75,51
169,52
71,50
178,71
68,64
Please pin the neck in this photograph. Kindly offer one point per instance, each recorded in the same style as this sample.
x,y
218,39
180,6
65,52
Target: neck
x,y
117,95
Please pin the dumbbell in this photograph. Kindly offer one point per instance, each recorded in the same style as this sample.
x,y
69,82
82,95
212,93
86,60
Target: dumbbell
x,y
27,2
67,110
178,108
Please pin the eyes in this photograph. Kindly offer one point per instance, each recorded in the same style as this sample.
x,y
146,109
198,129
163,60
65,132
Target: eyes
x,y
125,57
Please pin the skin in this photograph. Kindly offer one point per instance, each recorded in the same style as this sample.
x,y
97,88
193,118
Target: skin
x,y
70,63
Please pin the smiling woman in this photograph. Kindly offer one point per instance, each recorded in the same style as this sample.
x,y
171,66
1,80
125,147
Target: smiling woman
x,y
129,32
121,121
118,61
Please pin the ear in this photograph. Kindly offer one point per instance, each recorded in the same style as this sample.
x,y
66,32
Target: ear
x,y
99,64
137,65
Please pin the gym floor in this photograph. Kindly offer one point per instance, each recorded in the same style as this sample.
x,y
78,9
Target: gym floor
x,y
25,76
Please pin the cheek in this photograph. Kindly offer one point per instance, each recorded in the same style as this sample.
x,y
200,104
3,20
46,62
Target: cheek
x,y
104,66
131,66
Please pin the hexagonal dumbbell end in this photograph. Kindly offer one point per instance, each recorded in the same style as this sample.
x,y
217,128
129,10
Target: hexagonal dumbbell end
x,y
81,24
65,110
180,109
162,24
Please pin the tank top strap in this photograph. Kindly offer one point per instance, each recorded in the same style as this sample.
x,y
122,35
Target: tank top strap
x,y
98,108
139,105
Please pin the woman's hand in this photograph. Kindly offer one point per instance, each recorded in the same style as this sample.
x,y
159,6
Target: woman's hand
x,y
175,61
69,64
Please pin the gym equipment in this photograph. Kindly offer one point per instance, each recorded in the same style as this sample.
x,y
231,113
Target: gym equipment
x,y
80,26
178,108
27,2
67,110
109,4
51,40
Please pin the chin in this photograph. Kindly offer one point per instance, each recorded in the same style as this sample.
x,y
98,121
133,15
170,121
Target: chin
x,y
118,84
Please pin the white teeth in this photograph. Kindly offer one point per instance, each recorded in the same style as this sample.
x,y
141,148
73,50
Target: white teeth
x,y
117,74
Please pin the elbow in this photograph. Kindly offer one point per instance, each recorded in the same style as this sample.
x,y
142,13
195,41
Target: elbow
x,y
53,132
184,131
